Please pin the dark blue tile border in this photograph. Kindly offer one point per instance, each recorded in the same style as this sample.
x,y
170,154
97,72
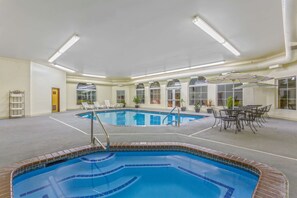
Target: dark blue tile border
x,y
114,190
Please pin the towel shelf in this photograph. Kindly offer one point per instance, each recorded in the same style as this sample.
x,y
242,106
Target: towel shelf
x,y
16,104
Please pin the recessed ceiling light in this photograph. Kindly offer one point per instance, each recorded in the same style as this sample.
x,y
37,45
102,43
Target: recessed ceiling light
x,y
63,68
275,66
64,48
214,34
94,76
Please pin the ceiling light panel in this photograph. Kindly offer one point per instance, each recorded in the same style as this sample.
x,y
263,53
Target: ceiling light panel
x,y
209,30
64,48
231,48
94,76
63,68
178,70
208,64
214,34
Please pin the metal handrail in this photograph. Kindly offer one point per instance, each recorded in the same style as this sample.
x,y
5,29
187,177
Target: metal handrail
x,y
168,114
93,139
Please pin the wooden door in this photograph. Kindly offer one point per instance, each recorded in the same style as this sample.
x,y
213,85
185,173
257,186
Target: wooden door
x,y
55,100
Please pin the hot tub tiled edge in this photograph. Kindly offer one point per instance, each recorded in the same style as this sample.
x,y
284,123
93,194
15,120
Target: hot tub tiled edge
x,y
272,183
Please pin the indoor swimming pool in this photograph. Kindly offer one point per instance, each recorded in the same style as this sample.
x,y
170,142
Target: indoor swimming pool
x,y
129,117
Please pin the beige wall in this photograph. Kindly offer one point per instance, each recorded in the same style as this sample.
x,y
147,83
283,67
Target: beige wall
x,y
43,79
128,96
37,80
262,96
103,92
14,75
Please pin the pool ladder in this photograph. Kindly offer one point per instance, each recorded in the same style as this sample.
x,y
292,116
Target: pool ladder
x,y
95,139
177,122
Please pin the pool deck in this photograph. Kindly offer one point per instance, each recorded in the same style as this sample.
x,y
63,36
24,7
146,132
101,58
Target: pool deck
x,y
274,144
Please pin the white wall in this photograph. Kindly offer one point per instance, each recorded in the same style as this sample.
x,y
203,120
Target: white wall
x,y
43,79
103,92
14,75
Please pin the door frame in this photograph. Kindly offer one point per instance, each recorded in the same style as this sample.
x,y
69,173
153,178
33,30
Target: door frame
x,y
173,96
58,89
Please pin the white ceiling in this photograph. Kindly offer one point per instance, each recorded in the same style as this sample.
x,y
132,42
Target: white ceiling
x,y
121,38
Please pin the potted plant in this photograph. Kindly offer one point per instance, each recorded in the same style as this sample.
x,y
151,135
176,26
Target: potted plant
x,y
124,103
136,100
183,108
209,106
197,107
229,102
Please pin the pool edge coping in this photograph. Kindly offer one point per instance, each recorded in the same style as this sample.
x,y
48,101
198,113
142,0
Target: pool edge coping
x,y
271,183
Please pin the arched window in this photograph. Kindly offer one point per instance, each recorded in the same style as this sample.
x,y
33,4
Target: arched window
x,y
173,93
140,92
86,92
155,92
198,91
174,84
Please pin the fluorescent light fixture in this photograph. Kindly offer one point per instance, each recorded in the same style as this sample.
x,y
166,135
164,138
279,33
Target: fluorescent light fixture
x,y
69,43
214,34
178,70
159,73
208,64
231,48
63,68
275,66
209,30
94,76
64,48
54,57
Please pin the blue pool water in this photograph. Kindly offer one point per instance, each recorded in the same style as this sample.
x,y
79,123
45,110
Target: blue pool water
x,y
140,118
137,174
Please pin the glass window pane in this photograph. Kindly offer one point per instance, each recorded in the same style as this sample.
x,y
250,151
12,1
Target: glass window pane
x,y
292,82
221,95
291,94
204,88
292,104
86,93
220,103
229,87
221,88
282,83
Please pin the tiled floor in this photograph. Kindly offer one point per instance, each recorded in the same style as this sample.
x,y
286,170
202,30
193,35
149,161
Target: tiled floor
x,y
275,144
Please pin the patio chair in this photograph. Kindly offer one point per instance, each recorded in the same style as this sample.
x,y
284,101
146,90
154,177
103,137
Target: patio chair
x,y
98,106
268,107
119,105
108,105
216,116
259,113
229,117
248,118
86,106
